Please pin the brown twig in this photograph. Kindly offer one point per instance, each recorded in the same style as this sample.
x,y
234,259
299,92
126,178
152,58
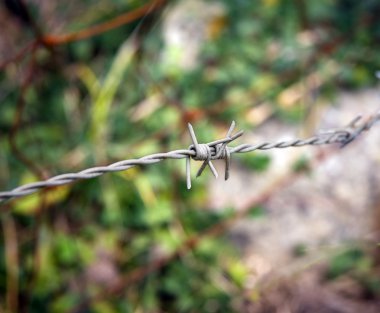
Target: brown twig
x,y
20,107
50,41
12,262
31,46
17,122
54,40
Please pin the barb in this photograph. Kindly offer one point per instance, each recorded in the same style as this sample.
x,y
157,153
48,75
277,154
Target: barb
x,y
202,152
211,151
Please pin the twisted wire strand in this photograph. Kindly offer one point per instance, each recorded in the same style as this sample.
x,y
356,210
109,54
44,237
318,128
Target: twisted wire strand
x,y
201,152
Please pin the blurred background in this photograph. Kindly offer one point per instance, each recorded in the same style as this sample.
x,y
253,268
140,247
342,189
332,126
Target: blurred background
x,y
86,83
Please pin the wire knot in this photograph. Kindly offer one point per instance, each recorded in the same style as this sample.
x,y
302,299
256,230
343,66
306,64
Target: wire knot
x,y
203,153
207,152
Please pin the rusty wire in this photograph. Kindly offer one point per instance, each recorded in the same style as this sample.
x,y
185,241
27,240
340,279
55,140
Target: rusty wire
x,y
206,152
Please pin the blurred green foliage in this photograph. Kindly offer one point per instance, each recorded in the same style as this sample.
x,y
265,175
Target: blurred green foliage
x,y
257,212
358,264
109,98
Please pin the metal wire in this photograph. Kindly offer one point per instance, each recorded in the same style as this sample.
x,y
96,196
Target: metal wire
x,y
202,152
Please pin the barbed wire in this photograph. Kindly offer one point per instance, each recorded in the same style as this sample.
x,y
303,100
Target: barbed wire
x,y
206,152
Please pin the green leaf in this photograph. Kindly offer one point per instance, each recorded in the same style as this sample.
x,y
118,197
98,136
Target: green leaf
x,y
257,212
344,263
65,249
238,273
256,161
301,165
